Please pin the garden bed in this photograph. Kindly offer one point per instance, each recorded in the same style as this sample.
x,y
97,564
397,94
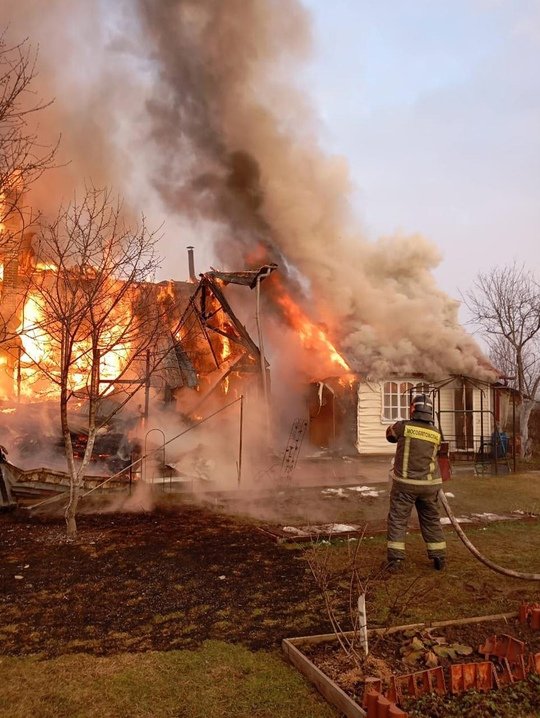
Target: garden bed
x,y
342,680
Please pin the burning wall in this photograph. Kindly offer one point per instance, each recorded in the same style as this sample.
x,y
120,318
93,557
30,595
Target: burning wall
x,y
201,355
194,343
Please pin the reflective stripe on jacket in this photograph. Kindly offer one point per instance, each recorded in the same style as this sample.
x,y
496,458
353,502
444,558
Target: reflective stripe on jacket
x,y
415,461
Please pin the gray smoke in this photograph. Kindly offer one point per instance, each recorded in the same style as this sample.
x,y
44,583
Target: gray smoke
x,y
194,102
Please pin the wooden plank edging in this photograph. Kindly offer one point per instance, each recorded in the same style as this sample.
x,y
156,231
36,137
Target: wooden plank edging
x,y
328,688
329,637
325,685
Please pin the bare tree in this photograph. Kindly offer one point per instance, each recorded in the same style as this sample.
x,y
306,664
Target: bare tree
x,y
505,304
23,159
344,575
94,319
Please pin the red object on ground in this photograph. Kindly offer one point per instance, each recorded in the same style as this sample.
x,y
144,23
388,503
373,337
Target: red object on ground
x,y
503,646
378,706
518,668
383,705
530,613
414,685
481,676
510,671
371,698
534,663
371,683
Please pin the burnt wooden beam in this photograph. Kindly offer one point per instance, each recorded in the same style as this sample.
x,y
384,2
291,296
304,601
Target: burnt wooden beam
x,y
240,328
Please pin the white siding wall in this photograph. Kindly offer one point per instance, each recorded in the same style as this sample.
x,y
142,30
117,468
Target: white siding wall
x,y
446,398
371,428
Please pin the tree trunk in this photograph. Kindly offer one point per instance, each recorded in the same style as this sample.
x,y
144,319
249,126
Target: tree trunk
x,y
524,415
74,491
76,483
71,522
71,508
75,479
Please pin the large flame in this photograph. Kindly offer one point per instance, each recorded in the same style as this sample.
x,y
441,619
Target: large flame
x,y
312,337
39,358
166,293
46,267
35,345
225,353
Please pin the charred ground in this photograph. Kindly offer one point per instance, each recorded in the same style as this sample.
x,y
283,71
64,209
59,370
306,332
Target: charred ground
x,y
167,579
183,573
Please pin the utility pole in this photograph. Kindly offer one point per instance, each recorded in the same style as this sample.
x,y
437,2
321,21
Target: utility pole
x,y
147,388
240,440
262,358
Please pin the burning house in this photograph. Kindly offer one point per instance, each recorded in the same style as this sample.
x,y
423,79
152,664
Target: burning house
x,y
167,346
198,355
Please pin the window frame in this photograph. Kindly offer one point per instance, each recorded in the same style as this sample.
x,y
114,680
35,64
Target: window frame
x,y
398,401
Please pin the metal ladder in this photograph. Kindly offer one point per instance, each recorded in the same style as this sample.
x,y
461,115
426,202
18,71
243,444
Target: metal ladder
x,y
292,450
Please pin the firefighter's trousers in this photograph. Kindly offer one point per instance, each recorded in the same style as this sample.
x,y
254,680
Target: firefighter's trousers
x,y
402,499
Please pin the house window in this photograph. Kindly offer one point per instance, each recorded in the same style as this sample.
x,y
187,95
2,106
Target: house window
x,y
397,398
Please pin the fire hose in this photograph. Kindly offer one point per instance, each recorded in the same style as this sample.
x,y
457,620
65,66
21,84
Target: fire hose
x,y
486,561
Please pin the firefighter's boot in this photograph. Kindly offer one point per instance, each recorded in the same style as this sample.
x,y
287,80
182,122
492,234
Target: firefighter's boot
x,y
439,563
395,565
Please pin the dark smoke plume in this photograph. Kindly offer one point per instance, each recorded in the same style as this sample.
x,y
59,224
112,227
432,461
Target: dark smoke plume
x,y
195,102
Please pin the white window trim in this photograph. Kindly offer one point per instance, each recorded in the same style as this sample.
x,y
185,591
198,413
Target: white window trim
x,y
403,399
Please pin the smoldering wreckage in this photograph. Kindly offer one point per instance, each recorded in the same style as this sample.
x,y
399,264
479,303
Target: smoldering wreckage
x,y
203,359
210,370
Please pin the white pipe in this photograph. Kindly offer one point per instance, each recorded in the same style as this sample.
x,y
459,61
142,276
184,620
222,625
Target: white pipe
x,y
362,622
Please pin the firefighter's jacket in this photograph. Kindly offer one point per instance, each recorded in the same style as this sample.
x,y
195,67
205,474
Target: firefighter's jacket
x,y
415,462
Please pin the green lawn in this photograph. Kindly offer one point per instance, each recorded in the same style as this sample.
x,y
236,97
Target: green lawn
x,y
466,588
216,681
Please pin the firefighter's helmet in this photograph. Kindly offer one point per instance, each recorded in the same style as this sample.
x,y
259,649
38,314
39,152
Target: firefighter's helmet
x,y
422,408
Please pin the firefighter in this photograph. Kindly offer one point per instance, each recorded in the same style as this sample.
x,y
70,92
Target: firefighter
x,y
416,481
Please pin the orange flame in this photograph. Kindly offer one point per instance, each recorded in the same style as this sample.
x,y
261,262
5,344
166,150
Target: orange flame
x,y
225,352
311,336
165,292
347,380
39,356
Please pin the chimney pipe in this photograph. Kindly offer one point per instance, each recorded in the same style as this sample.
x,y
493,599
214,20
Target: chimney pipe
x,y
191,265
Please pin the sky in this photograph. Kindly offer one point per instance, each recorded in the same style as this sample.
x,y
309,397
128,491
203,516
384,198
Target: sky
x,y
436,106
